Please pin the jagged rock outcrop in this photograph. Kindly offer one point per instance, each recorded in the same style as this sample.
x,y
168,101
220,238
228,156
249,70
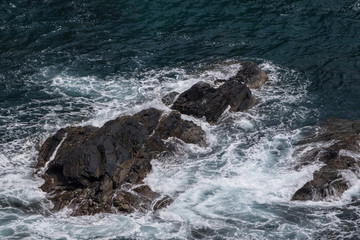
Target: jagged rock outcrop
x,y
251,75
92,170
335,147
203,100
95,170
169,98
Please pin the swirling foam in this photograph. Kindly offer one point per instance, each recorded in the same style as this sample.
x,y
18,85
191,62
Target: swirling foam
x,y
238,187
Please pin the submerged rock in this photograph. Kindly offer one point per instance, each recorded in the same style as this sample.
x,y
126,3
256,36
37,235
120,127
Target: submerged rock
x,y
94,170
251,75
203,100
340,139
169,98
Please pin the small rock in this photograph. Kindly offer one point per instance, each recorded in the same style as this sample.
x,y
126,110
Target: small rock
x,y
162,203
202,100
341,135
169,98
251,75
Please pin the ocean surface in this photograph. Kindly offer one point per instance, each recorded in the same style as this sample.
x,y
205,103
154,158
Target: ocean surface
x,y
85,62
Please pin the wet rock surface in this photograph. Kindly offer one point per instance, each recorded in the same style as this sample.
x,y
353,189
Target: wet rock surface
x,y
169,98
94,170
204,100
336,148
251,75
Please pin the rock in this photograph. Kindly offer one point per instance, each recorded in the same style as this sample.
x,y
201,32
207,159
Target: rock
x,y
162,202
218,82
139,198
169,98
49,147
251,75
93,170
202,100
238,96
173,126
340,139
149,117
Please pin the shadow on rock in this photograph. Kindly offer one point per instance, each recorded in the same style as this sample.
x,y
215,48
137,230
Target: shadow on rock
x,y
94,170
203,100
340,139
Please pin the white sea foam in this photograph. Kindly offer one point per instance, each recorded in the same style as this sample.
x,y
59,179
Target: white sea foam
x,y
52,157
356,6
249,168
238,187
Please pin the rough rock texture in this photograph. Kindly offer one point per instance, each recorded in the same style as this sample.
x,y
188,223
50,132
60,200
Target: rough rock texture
x,y
341,141
203,100
94,170
251,75
169,98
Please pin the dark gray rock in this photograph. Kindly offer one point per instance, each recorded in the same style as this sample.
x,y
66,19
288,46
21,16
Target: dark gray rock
x,y
169,98
202,100
93,168
238,96
173,126
251,75
339,135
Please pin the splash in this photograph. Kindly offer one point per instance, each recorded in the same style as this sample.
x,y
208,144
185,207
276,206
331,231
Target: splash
x,y
239,186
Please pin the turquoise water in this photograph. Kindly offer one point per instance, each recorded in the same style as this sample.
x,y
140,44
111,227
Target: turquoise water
x,y
77,63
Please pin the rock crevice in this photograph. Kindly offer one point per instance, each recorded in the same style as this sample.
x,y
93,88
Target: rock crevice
x,y
92,170
338,136
92,165
203,100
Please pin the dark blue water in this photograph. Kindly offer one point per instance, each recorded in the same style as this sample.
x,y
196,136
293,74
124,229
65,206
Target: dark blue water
x,y
85,62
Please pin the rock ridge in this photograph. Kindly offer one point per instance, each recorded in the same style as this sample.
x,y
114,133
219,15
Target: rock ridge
x,y
101,169
203,100
335,149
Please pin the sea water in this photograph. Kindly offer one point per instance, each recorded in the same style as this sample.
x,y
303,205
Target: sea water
x,y
83,63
